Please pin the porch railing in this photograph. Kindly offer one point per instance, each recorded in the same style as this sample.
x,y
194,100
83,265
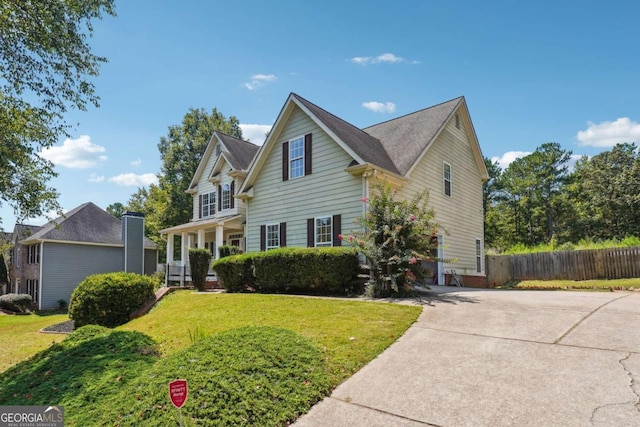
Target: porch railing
x,y
180,273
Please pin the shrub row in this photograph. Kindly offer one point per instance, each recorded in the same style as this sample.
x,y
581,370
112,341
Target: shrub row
x,y
18,303
108,299
326,271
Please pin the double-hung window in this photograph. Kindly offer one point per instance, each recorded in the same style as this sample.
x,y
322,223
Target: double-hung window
x,y
209,204
324,231
447,179
226,196
34,254
296,158
478,256
273,236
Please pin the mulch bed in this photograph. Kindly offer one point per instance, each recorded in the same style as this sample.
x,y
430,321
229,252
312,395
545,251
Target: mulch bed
x,y
59,328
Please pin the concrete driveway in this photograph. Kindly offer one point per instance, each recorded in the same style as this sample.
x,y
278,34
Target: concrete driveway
x,y
501,358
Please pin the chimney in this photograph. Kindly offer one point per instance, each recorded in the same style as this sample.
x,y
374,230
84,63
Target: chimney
x,y
133,239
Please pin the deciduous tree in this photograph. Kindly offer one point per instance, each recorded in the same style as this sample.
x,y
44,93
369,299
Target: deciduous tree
x,y
46,67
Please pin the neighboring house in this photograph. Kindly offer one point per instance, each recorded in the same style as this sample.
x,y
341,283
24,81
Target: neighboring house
x,y
48,262
304,186
5,246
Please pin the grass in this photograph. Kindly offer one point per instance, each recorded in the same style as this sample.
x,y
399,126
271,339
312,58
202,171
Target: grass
x,y
351,333
249,360
20,338
601,285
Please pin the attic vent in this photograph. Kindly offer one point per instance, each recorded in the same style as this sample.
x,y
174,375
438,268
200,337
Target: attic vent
x,y
457,121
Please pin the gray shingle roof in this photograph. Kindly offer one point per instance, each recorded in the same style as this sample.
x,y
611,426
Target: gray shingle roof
x,y
368,147
406,137
86,223
23,231
240,152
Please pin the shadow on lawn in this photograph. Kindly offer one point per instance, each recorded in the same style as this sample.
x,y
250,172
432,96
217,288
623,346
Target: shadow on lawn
x,y
70,372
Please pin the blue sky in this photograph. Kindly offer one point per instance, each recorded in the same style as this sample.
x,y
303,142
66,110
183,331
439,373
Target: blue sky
x,y
531,72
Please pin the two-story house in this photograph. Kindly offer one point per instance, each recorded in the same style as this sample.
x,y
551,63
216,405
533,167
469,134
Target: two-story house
x,y
48,262
306,184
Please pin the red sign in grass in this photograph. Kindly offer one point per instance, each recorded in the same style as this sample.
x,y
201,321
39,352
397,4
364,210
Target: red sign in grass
x,y
178,392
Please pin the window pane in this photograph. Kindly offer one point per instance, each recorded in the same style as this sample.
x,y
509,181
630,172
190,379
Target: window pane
x,y
323,231
226,196
296,158
273,236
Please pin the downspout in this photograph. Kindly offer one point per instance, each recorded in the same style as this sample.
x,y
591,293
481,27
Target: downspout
x,y
40,278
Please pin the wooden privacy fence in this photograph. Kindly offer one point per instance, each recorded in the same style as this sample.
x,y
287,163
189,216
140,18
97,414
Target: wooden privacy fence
x,y
612,263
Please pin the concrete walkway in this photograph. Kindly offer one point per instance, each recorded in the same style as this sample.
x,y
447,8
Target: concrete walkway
x,y
501,358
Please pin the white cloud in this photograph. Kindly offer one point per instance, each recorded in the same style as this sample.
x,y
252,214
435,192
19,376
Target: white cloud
x,y
136,162
78,153
608,134
380,107
507,158
258,80
571,164
133,180
96,178
385,57
255,133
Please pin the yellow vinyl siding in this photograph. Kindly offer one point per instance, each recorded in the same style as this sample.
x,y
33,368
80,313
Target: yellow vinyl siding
x,y
328,190
461,213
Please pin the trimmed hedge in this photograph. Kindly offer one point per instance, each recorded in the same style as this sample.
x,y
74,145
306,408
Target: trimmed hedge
x,y
18,303
235,272
108,299
325,271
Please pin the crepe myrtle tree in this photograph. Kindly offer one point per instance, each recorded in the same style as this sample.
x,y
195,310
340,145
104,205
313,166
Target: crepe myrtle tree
x,y
395,236
199,262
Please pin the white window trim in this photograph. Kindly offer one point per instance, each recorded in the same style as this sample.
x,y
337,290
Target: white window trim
x,y
266,236
444,179
315,232
291,159
478,256
226,193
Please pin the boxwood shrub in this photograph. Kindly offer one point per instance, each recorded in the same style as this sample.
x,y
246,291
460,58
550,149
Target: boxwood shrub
x,y
108,299
235,272
18,303
325,271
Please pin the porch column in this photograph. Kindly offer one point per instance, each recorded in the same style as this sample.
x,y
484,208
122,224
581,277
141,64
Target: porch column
x,y
219,239
184,256
201,238
189,243
170,237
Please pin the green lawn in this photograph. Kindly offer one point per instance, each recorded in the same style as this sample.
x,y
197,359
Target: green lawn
x,y
20,337
601,285
249,359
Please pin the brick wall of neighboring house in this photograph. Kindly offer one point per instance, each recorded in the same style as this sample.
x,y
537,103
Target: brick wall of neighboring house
x,y
23,271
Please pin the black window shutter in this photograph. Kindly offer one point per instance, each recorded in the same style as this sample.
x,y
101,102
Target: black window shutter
x,y
283,234
311,235
285,161
336,223
200,206
219,198
307,154
233,191
263,237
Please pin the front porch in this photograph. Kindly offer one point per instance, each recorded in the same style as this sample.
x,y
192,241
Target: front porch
x,y
209,234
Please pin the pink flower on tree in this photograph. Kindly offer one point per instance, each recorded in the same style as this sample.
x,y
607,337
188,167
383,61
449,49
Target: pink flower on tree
x,y
364,199
350,239
413,260
340,237
412,218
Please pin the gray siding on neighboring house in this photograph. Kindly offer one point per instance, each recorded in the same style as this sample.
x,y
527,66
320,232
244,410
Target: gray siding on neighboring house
x,y
460,214
150,261
329,190
65,265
